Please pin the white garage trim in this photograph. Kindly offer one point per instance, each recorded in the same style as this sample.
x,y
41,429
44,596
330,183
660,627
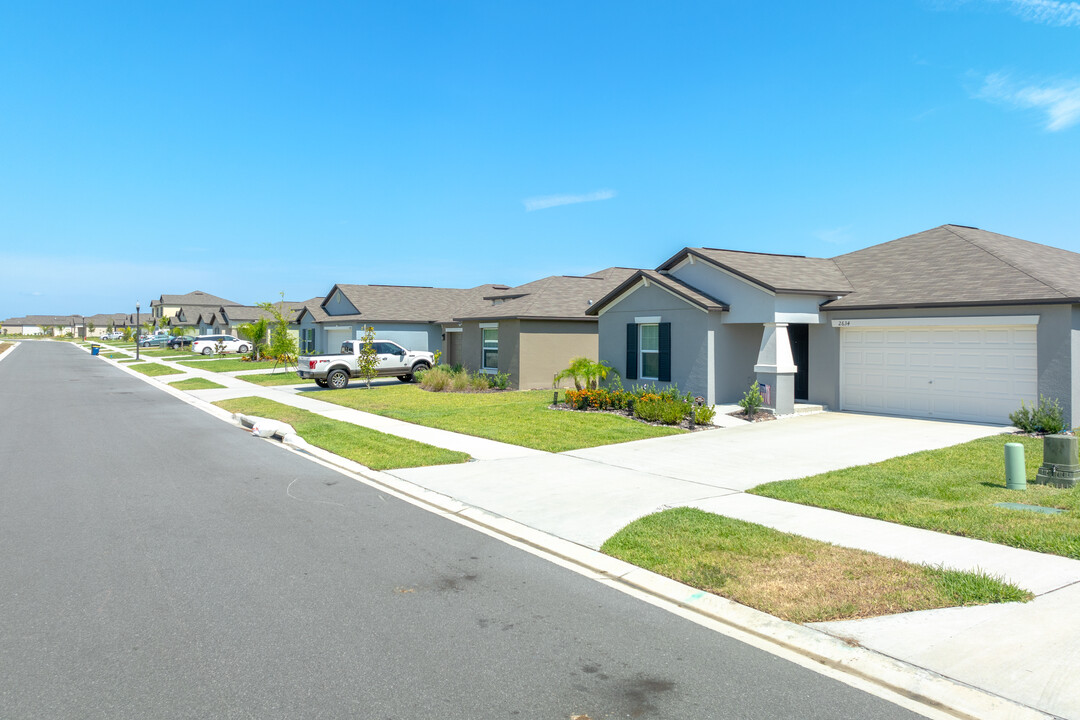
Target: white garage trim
x,y
975,373
937,321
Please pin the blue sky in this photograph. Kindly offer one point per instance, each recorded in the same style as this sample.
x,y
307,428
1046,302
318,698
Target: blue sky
x,y
247,149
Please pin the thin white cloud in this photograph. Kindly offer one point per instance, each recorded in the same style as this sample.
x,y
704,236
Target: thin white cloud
x,y
1047,12
548,201
835,236
1059,100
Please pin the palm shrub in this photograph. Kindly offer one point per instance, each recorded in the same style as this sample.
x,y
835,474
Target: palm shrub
x,y
256,333
585,373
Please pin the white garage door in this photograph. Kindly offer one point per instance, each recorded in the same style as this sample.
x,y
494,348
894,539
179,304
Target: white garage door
x,y
334,338
974,373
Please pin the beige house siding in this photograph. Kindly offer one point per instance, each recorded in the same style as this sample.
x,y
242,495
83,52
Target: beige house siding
x,y
531,351
548,346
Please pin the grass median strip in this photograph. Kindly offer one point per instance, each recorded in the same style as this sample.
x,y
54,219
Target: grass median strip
x,y
515,417
952,490
169,353
196,384
368,447
231,364
792,577
278,378
153,369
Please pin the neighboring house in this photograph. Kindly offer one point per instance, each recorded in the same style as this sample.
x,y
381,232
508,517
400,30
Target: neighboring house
x,y
208,322
58,325
531,331
411,316
233,316
101,323
189,305
951,323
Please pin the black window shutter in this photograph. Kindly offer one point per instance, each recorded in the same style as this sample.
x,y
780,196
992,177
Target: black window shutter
x,y
631,351
665,352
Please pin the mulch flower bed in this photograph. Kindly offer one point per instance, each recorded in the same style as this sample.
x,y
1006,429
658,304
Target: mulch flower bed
x,y
759,416
626,413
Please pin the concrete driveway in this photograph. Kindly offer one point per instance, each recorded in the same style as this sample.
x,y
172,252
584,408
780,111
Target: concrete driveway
x,y
588,495
738,458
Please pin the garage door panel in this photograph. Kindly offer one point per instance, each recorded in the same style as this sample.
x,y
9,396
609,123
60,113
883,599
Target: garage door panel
x,y
943,360
918,359
1025,336
1026,362
978,373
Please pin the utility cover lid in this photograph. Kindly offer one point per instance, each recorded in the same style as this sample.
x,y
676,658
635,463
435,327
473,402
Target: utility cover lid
x,y
1030,508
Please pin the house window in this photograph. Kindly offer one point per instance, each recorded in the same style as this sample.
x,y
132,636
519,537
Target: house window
x,y
307,340
650,351
490,359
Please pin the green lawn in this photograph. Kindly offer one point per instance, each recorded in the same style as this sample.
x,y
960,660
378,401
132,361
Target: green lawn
x,y
196,384
792,577
230,364
278,378
368,447
516,417
153,369
952,490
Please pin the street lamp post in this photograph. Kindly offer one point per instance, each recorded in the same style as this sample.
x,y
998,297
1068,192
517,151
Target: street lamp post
x,y
137,329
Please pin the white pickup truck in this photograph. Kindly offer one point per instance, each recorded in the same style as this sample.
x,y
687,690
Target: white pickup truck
x,y
335,371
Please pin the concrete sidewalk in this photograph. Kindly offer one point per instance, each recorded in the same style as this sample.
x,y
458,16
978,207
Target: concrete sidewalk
x,y
1022,652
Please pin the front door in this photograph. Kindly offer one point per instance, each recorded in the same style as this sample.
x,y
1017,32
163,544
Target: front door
x,y
800,353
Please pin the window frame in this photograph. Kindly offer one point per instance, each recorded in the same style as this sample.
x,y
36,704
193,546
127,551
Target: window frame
x,y
643,351
487,346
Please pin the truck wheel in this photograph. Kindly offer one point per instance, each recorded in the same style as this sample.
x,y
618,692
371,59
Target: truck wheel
x,y
207,351
321,383
417,368
405,378
337,379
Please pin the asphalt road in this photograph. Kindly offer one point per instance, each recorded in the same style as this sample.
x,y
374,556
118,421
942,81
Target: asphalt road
x,y
158,563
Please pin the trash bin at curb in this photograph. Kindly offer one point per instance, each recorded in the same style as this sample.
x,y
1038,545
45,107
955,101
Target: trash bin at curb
x,y
94,349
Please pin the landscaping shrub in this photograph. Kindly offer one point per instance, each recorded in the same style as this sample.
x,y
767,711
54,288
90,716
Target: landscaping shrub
x,y
454,378
586,373
1046,418
704,414
752,401
643,401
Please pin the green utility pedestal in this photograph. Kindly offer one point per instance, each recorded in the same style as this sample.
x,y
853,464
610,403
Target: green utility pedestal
x,y
1060,467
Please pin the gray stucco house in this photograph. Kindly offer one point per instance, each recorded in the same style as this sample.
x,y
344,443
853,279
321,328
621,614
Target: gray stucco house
x,y
950,323
408,315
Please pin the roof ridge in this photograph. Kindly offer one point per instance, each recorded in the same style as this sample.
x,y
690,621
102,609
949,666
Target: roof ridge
x,y
991,253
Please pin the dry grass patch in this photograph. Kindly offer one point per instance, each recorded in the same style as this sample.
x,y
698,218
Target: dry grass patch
x,y
792,577
196,384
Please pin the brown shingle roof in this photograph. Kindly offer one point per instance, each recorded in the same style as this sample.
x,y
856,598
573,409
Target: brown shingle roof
x,y
562,297
779,273
674,285
403,303
957,265
195,297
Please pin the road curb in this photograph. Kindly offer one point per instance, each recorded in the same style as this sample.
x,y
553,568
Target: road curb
x,y
8,351
908,685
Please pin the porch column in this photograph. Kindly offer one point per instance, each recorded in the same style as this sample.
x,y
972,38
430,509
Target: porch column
x,y
776,368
